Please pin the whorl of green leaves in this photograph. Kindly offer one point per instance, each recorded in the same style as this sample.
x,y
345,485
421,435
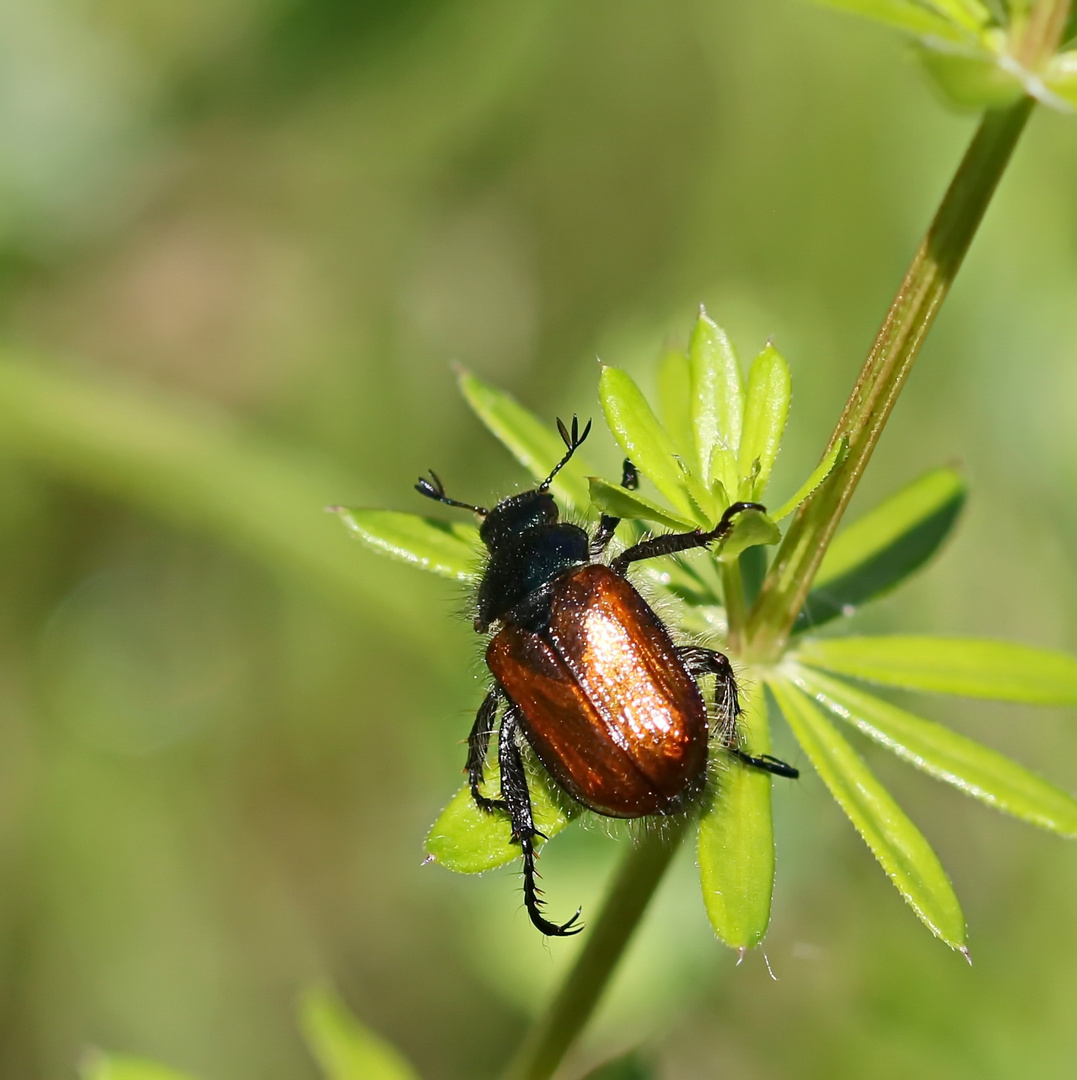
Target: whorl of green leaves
x,y
714,440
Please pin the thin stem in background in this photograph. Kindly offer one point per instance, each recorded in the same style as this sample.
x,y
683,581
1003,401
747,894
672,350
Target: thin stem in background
x,y
896,347
627,900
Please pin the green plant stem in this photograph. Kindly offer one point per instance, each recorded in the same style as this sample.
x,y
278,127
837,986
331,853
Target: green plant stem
x,y
883,375
627,900
736,610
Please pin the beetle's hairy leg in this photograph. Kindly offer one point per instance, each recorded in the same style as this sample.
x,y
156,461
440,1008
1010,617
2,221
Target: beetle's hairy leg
x,y
518,799
607,526
478,744
671,543
702,662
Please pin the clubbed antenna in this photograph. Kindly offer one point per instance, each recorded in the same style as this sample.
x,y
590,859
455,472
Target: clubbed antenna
x,y
572,439
435,489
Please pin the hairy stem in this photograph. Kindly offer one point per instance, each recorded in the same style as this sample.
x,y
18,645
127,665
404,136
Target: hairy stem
x,y
883,375
627,900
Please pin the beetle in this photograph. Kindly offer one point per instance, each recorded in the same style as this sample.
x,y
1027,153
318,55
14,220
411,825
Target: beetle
x,y
585,672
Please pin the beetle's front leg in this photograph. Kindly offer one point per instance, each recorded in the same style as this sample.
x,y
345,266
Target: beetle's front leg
x,y
478,743
607,526
518,800
671,543
702,662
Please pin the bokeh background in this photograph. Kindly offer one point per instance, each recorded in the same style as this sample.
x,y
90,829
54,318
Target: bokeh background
x,y
241,243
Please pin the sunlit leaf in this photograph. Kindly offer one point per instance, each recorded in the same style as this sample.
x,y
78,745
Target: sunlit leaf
x,y
904,15
750,529
717,402
344,1048
617,501
973,79
821,471
970,14
98,1066
451,549
736,840
765,413
646,442
534,444
904,854
997,670
886,545
1061,77
976,770
469,840
675,398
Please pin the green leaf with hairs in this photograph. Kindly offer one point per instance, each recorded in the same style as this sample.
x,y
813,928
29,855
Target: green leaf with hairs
x,y
821,471
449,549
344,1048
766,410
717,402
976,770
736,839
751,528
885,546
98,1066
469,840
968,667
535,445
648,445
902,852
620,502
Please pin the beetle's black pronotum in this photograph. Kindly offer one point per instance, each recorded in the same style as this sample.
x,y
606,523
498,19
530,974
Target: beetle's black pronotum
x,y
586,672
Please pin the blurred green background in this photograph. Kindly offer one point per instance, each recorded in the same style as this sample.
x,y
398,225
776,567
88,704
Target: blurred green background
x,y
241,242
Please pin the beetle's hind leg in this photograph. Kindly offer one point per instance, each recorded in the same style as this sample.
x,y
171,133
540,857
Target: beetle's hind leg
x,y
518,799
478,743
702,662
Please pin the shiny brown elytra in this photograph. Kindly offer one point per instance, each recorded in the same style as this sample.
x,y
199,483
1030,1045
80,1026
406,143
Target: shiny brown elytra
x,y
586,672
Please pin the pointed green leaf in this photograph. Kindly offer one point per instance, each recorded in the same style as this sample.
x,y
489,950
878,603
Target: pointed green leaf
x,y
344,1048
997,670
972,79
619,502
535,445
765,413
468,840
717,402
452,550
675,397
976,770
902,851
751,529
98,1066
882,548
903,15
821,471
646,442
736,840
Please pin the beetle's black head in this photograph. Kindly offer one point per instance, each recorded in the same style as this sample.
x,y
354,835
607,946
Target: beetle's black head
x,y
527,544
518,514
